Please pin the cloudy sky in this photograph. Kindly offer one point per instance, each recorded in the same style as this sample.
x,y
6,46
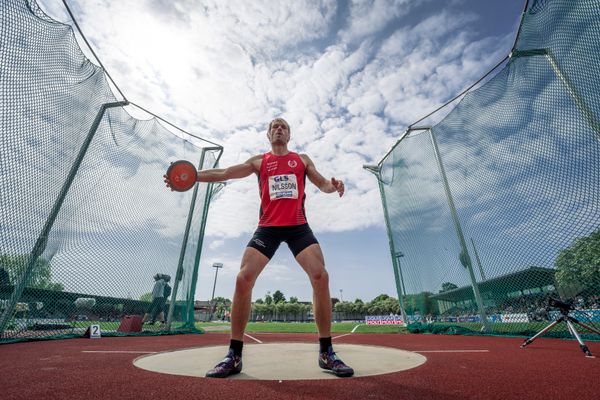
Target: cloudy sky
x,y
349,76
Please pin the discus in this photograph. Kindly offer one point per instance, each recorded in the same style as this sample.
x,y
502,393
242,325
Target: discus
x,y
181,176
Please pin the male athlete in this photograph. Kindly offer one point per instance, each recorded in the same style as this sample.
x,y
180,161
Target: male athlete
x,y
282,175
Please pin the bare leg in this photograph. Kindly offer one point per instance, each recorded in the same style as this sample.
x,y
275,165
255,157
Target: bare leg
x,y
312,262
253,262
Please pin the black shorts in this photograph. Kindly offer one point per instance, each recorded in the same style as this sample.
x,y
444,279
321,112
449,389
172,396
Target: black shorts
x,y
267,239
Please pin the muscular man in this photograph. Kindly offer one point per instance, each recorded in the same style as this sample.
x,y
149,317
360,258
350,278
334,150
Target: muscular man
x,y
282,175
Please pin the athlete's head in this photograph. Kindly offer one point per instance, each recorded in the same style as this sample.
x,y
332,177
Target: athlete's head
x,y
279,131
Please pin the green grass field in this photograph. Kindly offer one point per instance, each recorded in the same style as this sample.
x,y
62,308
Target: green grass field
x,y
301,327
265,327
510,329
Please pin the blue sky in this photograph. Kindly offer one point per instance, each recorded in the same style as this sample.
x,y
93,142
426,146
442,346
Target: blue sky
x,y
348,76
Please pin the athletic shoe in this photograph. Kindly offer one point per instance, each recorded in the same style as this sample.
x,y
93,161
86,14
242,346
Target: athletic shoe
x,y
332,362
230,365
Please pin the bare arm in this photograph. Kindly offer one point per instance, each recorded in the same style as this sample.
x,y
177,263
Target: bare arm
x,y
324,185
234,172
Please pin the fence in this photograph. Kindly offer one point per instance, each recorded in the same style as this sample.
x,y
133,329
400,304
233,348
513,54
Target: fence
x,y
495,208
86,220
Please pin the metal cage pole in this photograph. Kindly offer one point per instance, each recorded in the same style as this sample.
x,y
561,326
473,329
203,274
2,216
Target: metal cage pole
x,y
478,261
186,233
564,79
211,190
179,274
376,170
194,278
464,257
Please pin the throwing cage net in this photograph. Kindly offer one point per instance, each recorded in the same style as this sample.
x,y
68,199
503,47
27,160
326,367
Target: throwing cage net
x,y
86,222
496,208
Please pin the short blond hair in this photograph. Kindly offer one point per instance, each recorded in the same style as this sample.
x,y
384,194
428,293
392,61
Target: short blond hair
x,y
279,120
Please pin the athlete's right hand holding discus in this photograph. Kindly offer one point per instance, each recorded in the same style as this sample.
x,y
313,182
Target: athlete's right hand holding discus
x,y
281,177
181,176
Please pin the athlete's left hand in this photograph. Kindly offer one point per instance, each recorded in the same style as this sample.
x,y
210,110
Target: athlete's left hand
x,y
338,185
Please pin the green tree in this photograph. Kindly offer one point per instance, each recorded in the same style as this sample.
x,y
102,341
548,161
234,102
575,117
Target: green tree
x,y
381,297
268,299
278,297
292,308
293,300
219,305
220,300
374,308
221,309
281,311
578,266
340,306
358,306
40,277
259,310
446,286
391,306
146,297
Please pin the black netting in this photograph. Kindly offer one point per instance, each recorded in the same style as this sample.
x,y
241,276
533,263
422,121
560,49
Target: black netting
x,y
81,249
519,161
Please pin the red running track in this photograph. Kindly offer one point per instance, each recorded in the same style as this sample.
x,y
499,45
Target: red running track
x,y
546,369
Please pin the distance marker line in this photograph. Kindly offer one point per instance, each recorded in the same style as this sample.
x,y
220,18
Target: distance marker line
x,y
346,334
253,338
451,351
119,351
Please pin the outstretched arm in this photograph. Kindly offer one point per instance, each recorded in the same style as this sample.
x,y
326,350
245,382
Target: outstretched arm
x,y
220,175
324,185
234,172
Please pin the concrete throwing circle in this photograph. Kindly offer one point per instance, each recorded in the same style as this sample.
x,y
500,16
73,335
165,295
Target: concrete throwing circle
x,y
282,361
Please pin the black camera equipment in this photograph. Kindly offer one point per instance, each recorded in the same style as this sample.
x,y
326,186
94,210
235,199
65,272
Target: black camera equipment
x,y
565,308
562,305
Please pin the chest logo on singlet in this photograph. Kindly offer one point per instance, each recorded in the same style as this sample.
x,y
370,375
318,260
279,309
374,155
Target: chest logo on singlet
x,y
292,163
283,187
271,166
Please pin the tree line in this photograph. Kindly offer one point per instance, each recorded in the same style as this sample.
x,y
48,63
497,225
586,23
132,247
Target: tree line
x,y
577,265
276,307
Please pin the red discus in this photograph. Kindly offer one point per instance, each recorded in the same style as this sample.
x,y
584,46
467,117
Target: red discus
x,y
181,176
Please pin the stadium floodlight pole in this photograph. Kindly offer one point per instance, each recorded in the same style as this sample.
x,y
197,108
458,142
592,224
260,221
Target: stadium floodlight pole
x,y
376,170
216,266
42,240
464,257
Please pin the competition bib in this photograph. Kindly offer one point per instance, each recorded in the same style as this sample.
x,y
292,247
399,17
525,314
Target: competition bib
x,y
283,187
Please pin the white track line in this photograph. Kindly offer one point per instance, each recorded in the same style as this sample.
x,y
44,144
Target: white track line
x,y
118,351
451,351
346,334
253,338
337,337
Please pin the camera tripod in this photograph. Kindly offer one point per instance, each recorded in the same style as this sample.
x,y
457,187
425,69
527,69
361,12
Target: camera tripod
x,y
565,317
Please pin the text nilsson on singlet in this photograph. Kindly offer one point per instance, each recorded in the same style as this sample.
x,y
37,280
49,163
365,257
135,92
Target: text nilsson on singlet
x,y
283,187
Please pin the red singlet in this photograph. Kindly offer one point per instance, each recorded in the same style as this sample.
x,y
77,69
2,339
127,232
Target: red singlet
x,y
281,189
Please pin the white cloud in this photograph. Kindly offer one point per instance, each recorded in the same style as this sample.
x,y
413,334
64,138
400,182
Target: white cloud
x,y
349,80
369,16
